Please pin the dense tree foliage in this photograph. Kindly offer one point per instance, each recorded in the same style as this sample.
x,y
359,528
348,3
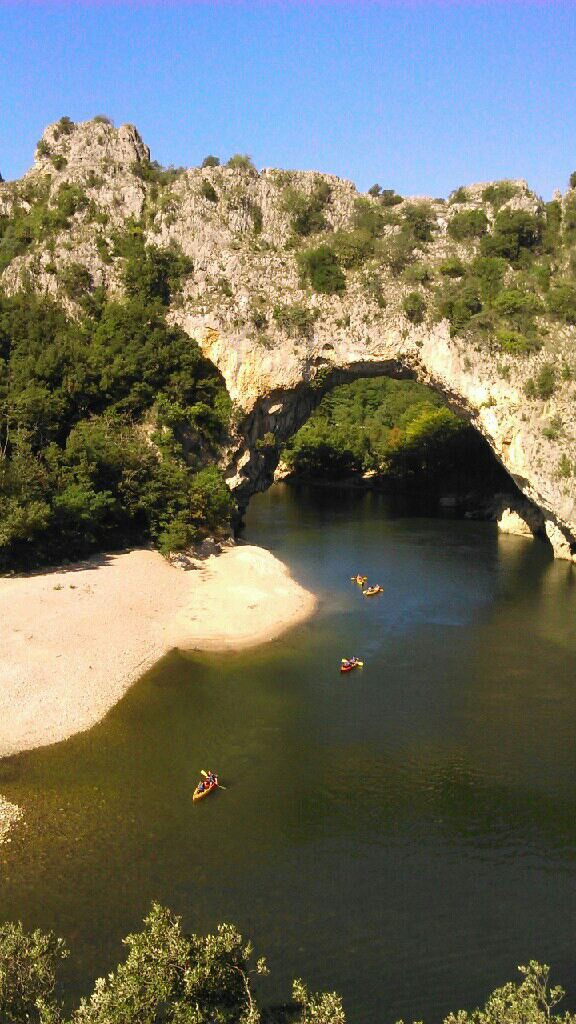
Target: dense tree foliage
x,y
170,977
107,423
400,429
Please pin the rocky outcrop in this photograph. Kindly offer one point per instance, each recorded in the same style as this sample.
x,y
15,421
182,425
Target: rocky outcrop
x,y
235,226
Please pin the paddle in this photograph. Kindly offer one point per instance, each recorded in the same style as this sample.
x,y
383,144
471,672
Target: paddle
x,y
205,774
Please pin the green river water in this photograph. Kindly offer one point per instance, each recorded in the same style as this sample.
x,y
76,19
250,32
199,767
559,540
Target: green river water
x,y
405,834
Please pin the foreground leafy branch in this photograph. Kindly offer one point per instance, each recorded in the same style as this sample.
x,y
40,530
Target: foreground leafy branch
x,y
170,977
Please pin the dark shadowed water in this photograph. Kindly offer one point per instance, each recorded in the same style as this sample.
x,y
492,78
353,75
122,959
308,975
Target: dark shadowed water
x,y
405,834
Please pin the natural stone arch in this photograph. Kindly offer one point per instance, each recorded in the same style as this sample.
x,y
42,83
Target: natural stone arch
x,y
276,391
246,269
277,417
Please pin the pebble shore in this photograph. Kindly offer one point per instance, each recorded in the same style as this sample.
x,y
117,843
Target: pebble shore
x,y
9,815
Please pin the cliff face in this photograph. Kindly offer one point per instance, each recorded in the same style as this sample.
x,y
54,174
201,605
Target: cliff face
x,y
237,226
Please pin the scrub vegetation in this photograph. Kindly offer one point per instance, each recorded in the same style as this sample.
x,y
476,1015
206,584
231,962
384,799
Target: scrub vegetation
x,y
170,977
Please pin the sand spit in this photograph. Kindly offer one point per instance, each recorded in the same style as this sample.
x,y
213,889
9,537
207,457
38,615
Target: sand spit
x,y
74,640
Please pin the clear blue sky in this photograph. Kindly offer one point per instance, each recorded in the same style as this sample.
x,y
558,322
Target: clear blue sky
x,y
419,96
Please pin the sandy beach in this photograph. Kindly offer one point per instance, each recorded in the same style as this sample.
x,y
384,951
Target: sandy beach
x,y
75,639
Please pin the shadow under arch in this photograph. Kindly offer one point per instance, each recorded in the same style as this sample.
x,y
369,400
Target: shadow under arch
x,y
279,415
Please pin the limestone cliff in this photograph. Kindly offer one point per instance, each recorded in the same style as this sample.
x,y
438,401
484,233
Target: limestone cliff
x,y
237,226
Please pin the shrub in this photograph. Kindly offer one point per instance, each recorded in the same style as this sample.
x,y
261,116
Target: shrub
x,y
419,222
65,126
241,162
467,224
514,342
554,428
543,386
59,162
572,180
459,304
514,231
43,149
259,317
562,302
211,161
499,193
372,284
515,303
565,466
295,319
103,119
489,272
152,172
320,267
367,217
70,200
208,191
418,273
28,963
151,274
388,197
452,267
76,281
397,252
307,211
352,247
459,195
414,307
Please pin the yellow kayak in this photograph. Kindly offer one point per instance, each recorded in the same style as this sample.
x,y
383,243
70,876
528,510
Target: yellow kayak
x,y
373,590
199,794
360,580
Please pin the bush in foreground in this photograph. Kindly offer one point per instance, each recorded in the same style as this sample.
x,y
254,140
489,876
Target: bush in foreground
x,y
169,977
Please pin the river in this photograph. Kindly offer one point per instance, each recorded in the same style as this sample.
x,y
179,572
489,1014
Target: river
x,y
405,834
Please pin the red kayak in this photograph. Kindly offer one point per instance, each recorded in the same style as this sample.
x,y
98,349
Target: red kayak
x,y
348,666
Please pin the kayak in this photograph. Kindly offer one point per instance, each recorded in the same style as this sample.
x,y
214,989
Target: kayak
x,y
347,666
200,794
360,580
373,590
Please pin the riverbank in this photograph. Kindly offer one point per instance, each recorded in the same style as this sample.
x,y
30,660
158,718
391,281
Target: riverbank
x,y
9,815
76,638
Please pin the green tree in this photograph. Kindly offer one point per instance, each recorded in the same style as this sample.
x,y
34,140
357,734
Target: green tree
x,y
307,210
320,267
28,965
241,162
514,231
467,224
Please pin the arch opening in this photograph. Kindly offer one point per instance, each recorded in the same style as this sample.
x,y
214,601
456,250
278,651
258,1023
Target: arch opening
x,y
421,444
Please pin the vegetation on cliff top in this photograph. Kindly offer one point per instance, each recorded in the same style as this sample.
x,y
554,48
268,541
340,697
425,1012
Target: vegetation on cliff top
x,y
170,977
